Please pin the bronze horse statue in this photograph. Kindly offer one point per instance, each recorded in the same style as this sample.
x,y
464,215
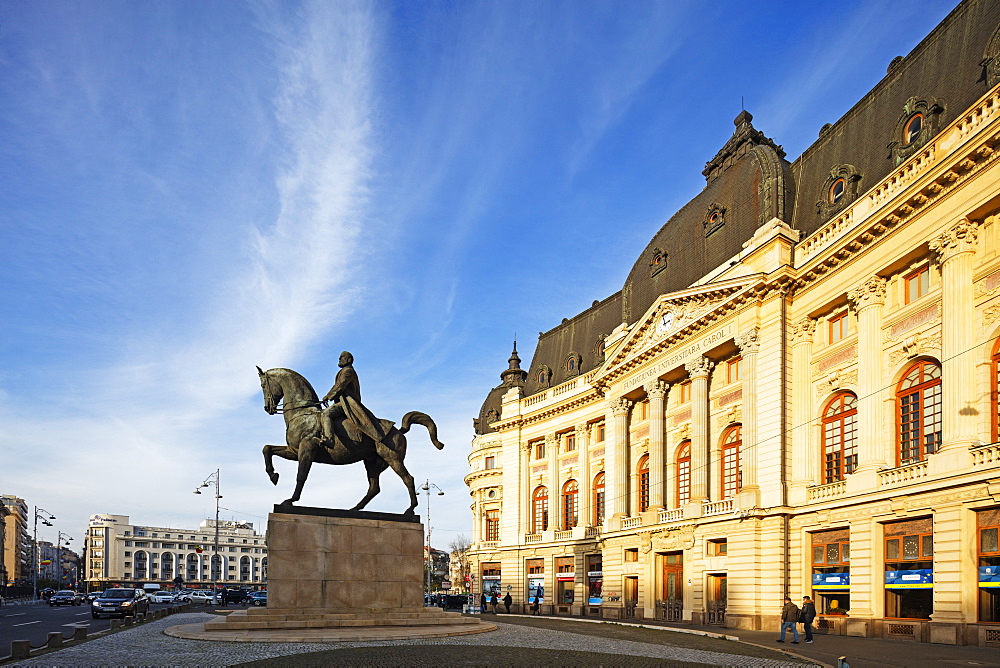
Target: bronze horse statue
x,y
306,443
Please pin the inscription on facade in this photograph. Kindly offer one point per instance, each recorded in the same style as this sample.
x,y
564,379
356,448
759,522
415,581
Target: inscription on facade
x,y
681,356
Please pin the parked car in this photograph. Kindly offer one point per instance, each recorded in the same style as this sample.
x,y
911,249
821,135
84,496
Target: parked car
x,y
162,596
120,602
66,597
233,596
256,598
182,597
201,596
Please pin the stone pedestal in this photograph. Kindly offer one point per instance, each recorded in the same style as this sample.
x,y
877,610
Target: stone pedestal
x,y
340,575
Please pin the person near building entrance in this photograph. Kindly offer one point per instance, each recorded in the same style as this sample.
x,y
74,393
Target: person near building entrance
x,y
534,606
494,602
789,620
507,600
806,616
482,602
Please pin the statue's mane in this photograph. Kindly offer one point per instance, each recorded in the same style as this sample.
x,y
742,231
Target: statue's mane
x,y
297,379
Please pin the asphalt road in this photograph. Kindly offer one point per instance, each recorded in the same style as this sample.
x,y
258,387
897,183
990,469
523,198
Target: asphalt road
x,y
34,622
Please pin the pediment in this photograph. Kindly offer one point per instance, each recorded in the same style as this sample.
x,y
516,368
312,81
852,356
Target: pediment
x,y
675,316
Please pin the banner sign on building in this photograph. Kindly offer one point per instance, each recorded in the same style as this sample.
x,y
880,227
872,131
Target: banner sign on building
x,y
831,581
565,577
989,576
921,578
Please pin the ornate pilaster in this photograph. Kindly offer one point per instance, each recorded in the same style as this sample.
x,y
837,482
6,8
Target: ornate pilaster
x,y
698,369
657,393
616,458
868,300
555,482
749,345
956,250
524,456
585,482
805,463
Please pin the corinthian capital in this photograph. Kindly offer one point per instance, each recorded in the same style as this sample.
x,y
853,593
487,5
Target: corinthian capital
x,y
959,239
748,342
803,330
699,366
620,406
872,293
657,389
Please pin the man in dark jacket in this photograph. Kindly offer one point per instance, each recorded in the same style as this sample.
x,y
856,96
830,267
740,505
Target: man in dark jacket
x,y
507,600
790,620
346,397
807,615
482,602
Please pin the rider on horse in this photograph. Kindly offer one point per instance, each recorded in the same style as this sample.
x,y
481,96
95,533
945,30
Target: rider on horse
x,y
346,395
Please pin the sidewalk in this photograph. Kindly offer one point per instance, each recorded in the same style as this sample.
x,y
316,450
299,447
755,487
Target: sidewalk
x,y
859,652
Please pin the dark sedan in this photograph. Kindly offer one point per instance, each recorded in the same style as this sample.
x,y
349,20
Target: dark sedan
x,y
120,602
66,597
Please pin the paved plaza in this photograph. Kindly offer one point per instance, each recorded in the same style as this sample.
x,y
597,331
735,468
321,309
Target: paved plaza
x,y
518,641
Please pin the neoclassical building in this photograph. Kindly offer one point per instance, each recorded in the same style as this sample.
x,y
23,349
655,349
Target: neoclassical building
x,y
794,392
119,553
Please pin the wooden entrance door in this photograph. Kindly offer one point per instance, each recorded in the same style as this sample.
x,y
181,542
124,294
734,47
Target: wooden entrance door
x,y
671,604
717,599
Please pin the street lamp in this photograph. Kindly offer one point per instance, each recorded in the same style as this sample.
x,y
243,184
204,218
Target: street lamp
x,y
59,548
213,478
426,487
45,517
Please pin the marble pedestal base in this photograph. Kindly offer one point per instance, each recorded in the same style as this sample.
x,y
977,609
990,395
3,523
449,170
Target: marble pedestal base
x,y
343,570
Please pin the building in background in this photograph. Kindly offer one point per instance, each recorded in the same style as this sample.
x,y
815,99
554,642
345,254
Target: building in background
x,y
794,392
121,553
16,541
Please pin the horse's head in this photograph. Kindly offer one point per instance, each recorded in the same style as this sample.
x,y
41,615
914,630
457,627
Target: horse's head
x,y
273,393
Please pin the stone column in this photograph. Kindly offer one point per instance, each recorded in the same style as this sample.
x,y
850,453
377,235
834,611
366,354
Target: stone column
x,y
616,459
956,250
805,463
657,393
868,300
698,369
583,454
750,451
555,484
525,520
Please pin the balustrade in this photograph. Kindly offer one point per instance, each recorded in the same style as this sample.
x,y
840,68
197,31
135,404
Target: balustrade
x,y
902,474
717,507
987,455
826,491
631,522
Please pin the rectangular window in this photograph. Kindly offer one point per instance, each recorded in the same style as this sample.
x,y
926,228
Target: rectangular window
x,y
718,547
569,442
632,555
733,370
917,284
565,565
644,410
909,567
838,327
540,450
600,432
492,525
490,463
988,551
685,392
535,566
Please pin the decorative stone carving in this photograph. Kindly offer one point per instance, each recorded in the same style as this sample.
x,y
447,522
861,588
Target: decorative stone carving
x,y
836,381
699,366
803,330
871,293
959,239
930,109
620,406
828,203
991,314
657,390
748,342
657,262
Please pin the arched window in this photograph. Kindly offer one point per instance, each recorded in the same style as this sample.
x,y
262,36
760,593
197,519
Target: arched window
x,y
684,473
837,191
918,397
570,505
995,391
643,475
540,510
911,131
141,563
732,476
167,566
599,498
840,437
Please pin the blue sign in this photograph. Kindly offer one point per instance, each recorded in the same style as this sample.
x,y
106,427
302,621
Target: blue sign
x,y
834,581
989,576
921,578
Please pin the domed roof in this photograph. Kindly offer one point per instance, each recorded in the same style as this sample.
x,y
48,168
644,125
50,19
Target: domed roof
x,y
512,376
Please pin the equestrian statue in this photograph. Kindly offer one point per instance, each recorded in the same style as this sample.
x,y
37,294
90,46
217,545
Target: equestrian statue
x,y
343,433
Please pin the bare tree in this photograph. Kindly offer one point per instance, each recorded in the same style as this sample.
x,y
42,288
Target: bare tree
x,y
460,558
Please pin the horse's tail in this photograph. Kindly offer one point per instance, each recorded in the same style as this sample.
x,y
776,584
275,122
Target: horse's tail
x,y
424,419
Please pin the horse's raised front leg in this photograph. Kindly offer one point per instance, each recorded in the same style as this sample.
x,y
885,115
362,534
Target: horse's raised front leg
x,y
395,460
373,467
307,453
269,452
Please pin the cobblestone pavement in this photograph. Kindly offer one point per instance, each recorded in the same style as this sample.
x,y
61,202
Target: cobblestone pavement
x,y
512,644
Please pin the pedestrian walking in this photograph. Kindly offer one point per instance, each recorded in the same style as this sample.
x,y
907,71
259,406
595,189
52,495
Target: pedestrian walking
x,y
534,606
507,600
482,602
789,620
493,602
806,615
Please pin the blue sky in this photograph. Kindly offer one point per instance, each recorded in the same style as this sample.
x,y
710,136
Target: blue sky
x,y
190,189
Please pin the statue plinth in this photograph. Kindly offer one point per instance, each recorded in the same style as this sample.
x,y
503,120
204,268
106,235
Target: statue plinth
x,y
339,575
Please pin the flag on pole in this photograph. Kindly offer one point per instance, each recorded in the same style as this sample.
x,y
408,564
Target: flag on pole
x,y
45,562
198,549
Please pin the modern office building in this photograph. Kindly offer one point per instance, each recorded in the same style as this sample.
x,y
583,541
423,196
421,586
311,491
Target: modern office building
x,y
794,392
121,553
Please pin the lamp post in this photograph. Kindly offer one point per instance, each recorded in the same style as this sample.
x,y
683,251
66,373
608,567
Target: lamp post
x,y
213,478
426,487
45,516
59,549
